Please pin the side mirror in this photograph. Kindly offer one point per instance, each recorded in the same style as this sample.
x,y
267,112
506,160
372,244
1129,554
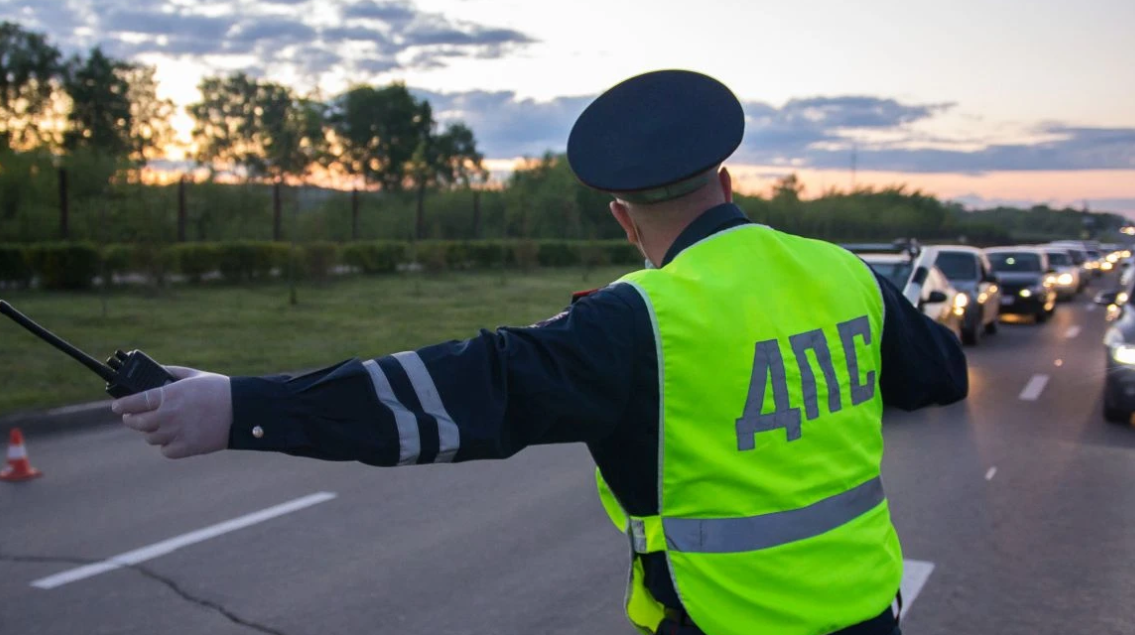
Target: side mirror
x,y
990,278
1106,297
936,297
1051,270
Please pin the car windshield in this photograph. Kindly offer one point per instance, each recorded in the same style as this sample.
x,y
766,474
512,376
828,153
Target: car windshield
x,y
957,265
1014,261
1077,257
1059,259
896,272
1093,254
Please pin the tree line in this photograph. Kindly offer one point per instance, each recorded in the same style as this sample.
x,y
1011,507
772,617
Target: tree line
x,y
75,132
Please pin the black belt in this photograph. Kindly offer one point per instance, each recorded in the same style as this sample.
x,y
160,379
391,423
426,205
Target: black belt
x,y
882,624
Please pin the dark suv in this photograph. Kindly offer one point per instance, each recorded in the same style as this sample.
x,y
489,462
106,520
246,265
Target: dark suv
x,y
1026,281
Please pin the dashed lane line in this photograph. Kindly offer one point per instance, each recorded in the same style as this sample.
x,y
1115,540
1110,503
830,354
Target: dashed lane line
x,y
177,542
1090,308
1072,331
915,573
991,473
1034,387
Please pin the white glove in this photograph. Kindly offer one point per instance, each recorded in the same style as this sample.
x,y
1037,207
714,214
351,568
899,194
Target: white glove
x,y
188,417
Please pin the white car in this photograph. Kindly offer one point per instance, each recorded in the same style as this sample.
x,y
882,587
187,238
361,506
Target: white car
x,y
922,283
1068,279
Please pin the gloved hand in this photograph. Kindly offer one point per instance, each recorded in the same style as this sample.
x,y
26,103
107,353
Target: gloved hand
x,y
188,417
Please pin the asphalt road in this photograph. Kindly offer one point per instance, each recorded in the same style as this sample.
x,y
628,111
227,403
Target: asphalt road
x,y
1023,507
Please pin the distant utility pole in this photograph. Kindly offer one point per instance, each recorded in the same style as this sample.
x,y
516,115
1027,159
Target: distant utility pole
x,y
854,162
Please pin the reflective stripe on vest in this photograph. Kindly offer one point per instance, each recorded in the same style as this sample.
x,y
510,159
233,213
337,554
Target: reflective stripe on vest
x,y
771,512
652,534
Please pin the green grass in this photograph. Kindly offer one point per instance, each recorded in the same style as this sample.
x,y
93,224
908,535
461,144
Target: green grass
x,y
252,330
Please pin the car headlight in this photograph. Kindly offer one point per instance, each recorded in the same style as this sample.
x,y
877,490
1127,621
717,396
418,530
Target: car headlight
x,y
1064,279
1106,266
1026,293
1112,258
960,303
1123,353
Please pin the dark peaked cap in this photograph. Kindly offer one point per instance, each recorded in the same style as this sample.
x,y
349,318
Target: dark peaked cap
x,y
655,136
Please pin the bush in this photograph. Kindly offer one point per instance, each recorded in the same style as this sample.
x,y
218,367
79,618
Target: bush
x,y
621,252
250,260
118,259
593,254
374,257
526,254
65,265
432,255
558,253
195,260
488,254
319,259
14,265
154,260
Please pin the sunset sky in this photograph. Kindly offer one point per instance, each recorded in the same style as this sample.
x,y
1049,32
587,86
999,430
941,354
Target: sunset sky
x,y
984,102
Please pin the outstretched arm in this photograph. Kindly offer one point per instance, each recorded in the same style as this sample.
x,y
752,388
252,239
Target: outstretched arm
x,y
565,380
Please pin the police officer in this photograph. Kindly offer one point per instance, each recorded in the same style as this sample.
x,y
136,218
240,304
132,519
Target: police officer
x,y
731,393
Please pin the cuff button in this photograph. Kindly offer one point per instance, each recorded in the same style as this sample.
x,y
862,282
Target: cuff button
x,y
258,432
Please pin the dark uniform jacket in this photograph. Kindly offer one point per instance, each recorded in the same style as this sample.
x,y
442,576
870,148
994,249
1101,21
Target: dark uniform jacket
x,y
589,375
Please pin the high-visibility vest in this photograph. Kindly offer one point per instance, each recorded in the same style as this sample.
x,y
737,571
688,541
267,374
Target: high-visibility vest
x,y
771,511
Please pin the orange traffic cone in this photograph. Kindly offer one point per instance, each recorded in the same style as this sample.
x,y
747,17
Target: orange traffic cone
x,y
18,469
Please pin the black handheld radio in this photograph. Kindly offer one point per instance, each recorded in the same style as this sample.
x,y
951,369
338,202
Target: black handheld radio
x,y
125,373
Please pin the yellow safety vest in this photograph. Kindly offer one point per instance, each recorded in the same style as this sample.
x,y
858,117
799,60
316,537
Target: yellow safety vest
x,y
771,511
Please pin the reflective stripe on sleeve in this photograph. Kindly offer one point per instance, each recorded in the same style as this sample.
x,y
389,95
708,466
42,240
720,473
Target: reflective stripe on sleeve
x,y
409,439
732,535
448,434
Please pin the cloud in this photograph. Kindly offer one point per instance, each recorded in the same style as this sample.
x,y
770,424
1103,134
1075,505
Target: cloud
x,y
506,126
817,132
435,33
166,23
222,33
389,12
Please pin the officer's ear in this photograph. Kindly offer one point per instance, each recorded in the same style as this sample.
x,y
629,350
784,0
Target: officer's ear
x,y
623,216
726,184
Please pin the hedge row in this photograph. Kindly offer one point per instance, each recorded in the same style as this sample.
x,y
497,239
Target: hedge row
x,y
75,265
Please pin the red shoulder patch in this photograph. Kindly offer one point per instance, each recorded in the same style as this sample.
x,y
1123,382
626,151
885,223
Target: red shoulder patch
x,y
579,295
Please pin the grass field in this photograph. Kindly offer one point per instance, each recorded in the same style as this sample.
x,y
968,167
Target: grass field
x,y
253,330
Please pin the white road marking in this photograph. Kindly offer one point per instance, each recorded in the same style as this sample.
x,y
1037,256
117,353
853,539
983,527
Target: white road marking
x,y
991,473
1090,308
1072,331
177,542
1034,387
915,573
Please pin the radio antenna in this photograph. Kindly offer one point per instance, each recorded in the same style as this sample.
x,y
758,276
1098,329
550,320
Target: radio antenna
x,y
100,369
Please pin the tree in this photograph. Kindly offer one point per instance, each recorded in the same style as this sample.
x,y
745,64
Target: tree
x,y
151,131
29,74
115,109
377,131
100,117
446,160
258,126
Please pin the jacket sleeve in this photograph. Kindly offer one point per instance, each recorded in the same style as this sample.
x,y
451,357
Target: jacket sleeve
x,y
923,362
564,380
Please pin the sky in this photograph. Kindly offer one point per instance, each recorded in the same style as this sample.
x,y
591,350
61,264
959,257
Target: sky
x,y
984,102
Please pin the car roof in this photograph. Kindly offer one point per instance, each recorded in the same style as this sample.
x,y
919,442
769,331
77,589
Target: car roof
x,y
959,248
1025,249
886,258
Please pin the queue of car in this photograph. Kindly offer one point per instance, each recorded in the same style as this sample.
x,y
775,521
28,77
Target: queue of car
x,y
968,290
